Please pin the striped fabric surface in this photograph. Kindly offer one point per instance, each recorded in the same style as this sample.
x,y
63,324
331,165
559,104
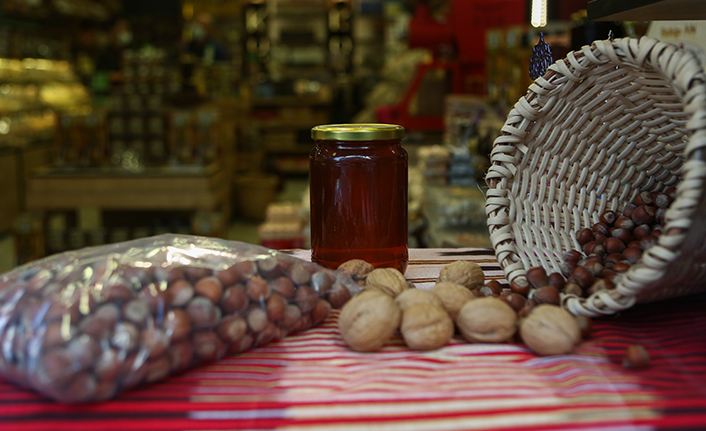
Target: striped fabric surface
x,y
311,381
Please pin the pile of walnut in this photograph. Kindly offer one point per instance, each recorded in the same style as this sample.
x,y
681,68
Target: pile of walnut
x,y
482,312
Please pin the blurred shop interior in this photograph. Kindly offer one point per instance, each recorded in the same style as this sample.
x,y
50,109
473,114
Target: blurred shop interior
x,y
126,119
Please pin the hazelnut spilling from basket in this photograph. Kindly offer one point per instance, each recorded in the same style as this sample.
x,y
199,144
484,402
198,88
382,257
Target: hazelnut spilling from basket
x,y
488,313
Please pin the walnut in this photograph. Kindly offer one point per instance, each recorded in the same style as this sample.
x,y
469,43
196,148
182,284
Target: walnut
x,y
388,280
369,320
487,320
550,330
357,269
463,272
415,296
453,296
426,327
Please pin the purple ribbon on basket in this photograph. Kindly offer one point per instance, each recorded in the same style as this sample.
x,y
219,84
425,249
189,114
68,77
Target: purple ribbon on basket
x,y
541,58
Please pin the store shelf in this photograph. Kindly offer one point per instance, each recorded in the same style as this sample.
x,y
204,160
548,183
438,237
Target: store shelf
x,y
189,188
646,10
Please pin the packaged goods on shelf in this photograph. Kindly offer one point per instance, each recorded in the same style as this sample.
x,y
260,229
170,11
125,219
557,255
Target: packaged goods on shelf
x,y
434,163
283,226
447,206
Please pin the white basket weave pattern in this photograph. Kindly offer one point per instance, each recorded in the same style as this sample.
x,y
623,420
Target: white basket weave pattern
x,y
606,122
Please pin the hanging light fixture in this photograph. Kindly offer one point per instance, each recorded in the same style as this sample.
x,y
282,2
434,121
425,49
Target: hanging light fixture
x,y
539,13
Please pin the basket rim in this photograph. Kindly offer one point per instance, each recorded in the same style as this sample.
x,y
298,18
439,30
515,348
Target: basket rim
x,y
683,71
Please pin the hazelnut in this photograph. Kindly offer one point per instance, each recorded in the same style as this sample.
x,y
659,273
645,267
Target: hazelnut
x,y
426,327
614,245
126,336
180,356
621,267
228,277
623,235
202,312
245,269
629,209
136,311
257,319
636,357
284,286
156,299
181,293
463,272
266,335
486,320
550,330
417,296
644,215
320,311
624,223
155,341
516,301
547,295
292,316
671,192
584,236
600,285
156,369
608,217
643,198
81,389
661,200
557,281
108,364
117,292
632,254
522,288
452,295
211,288
584,278
270,267
339,295
357,269
257,289
298,275
206,345
275,307
600,228
194,273
232,329
647,242
321,282
593,266
234,299
388,280
306,298
594,247
369,320
83,350
177,324
573,289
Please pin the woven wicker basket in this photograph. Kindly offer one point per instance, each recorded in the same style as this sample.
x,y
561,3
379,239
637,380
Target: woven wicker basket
x,y
604,123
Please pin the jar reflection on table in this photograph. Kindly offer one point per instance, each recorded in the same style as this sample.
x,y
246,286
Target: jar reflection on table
x,y
358,179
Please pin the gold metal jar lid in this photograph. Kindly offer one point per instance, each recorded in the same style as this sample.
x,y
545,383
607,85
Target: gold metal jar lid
x,y
357,132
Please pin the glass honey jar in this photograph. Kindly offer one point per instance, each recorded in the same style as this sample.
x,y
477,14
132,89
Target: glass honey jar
x,y
358,182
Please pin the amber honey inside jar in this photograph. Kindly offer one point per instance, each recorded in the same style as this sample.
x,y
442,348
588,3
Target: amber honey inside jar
x,y
358,179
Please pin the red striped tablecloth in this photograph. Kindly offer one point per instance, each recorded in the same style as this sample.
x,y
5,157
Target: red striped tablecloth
x,y
311,381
